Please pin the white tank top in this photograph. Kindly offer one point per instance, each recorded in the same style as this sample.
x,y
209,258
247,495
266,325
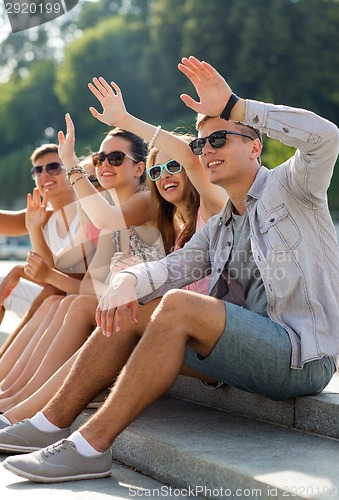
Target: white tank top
x,y
71,253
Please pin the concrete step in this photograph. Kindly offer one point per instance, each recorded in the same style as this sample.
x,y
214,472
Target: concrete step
x,y
216,454
318,414
124,482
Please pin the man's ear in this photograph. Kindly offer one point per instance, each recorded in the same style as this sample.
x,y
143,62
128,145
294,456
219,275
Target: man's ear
x,y
256,148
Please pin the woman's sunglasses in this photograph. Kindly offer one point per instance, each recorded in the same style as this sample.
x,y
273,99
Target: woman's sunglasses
x,y
115,158
53,168
172,167
217,140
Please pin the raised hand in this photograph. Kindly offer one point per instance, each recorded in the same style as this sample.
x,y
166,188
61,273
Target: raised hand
x,y
211,87
36,213
110,98
67,143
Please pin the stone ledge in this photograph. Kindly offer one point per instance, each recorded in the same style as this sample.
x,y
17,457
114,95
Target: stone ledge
x,y
318,414
189,445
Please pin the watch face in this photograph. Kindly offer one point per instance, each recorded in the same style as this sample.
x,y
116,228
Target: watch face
x,y
25,14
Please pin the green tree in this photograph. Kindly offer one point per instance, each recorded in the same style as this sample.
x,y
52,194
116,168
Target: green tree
x,y
30,107
112,50
92,13
162,54
20,51
16,179
315,58
283,51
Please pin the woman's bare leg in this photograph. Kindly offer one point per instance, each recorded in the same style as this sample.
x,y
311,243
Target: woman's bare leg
x,y
33,404
30,359
78,323
24,340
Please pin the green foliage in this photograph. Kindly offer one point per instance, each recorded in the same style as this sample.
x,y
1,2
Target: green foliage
x,y
93,12
275,152
29,108
15,179
162,54
120,48
333,191
280,51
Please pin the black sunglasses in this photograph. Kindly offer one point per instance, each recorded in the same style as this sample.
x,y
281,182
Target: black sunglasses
x,y
155,172
217,140
93,180
53,168
115,158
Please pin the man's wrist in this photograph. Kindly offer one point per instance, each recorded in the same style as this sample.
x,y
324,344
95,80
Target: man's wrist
x,y
232,101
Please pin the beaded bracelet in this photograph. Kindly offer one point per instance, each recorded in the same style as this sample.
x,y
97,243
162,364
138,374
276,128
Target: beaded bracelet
x,y
74,170
155,135
78,179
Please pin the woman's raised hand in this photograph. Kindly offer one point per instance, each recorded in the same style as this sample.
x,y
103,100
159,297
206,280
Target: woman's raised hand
x,y
67,143
110,98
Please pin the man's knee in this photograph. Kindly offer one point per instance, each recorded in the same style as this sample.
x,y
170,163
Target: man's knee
x,y
172,299
172,307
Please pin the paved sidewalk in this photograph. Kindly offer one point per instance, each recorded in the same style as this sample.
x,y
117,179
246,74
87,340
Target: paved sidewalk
x,y
123,483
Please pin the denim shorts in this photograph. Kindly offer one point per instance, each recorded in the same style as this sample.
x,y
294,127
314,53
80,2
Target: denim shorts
x,y
254,355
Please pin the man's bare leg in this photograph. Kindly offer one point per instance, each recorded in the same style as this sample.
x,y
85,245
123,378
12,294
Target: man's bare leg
x,y
98,364
156,361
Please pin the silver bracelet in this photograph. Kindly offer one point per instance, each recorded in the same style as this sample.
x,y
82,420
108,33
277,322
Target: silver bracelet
x,y
155,135
74,170
78,179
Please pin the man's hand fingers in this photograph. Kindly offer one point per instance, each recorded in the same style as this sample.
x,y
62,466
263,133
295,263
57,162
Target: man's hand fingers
x,y
95,113
190,103
119,317
109,320
134,312
189,73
